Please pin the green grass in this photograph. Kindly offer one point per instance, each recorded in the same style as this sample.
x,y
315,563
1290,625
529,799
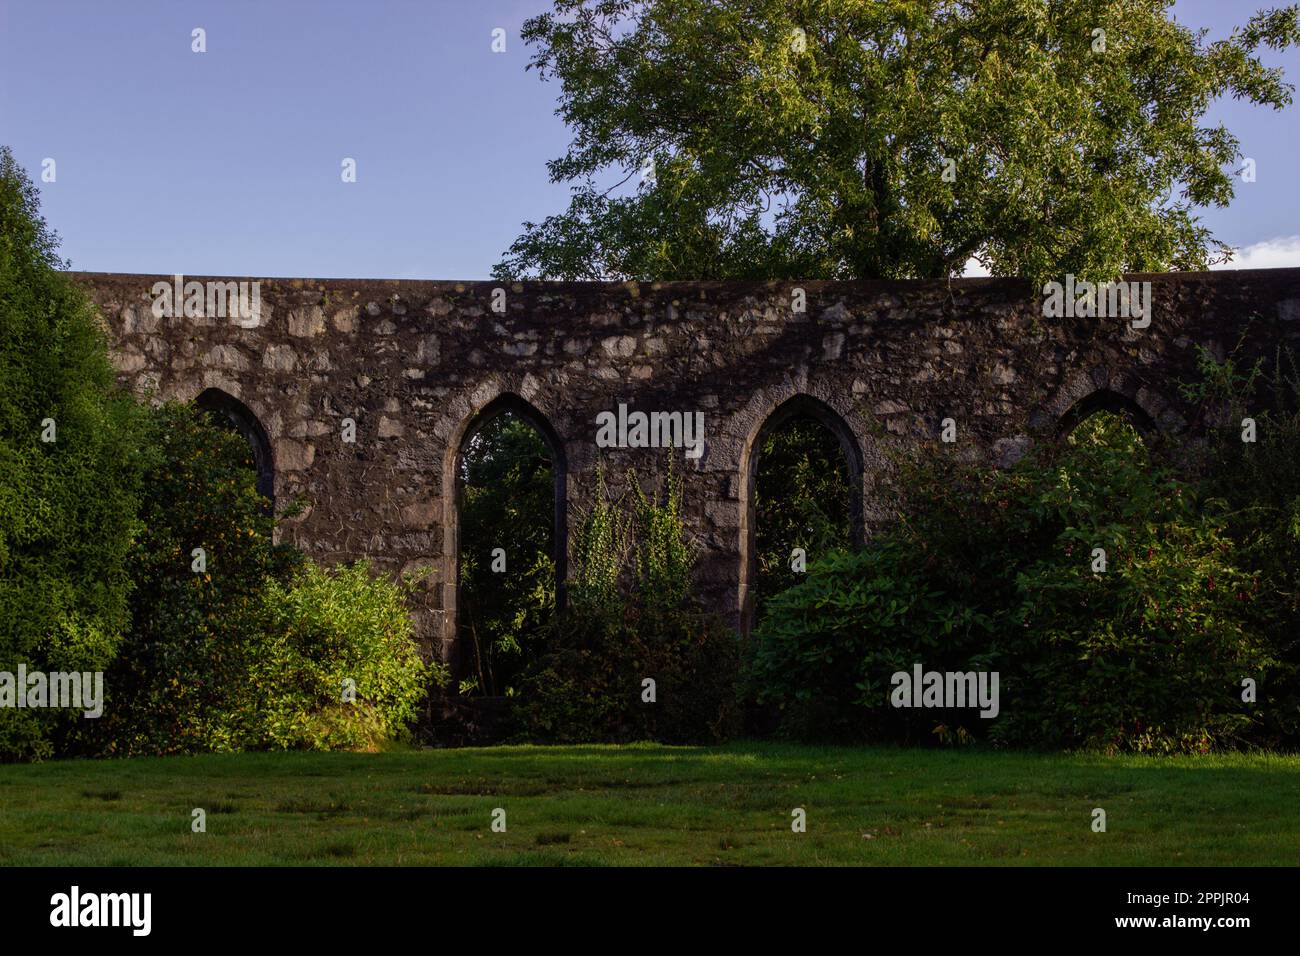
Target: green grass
x,y
647,804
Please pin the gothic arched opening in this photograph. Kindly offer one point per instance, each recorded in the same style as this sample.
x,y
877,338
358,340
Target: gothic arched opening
x,y
1104,400
510,520
1110,432
231,413
803,482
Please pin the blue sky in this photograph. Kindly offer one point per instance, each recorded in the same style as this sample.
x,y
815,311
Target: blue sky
x,y
228,162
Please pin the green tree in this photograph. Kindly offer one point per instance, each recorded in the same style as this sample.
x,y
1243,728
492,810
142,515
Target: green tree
x,y
67,504
865,139
170,689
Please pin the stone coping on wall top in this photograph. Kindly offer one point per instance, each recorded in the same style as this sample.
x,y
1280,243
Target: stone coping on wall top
x,y
634,288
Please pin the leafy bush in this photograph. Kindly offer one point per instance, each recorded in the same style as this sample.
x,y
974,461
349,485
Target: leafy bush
x,y
1149,654
924,590
991,570
1259,484
67,506
252,651
588,685
826,648
334,664
168,691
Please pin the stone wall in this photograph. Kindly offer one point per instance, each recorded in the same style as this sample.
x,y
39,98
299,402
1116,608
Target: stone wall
x,y
883,363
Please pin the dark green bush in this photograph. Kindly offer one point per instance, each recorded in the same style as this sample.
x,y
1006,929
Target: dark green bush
x,y
589,684
994,570
169,690
826,648
67,507
1259,484
1150,654
252,652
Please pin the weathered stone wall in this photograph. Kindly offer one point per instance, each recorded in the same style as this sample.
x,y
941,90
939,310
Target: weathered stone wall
x,y
414,363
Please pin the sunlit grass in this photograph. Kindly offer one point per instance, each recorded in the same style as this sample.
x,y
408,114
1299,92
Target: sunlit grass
x,y
647,804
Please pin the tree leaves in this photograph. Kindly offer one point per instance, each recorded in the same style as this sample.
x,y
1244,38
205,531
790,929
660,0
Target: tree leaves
x,y
808,138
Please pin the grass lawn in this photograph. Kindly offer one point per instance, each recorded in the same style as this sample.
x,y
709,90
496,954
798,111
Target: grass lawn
x,y
648,804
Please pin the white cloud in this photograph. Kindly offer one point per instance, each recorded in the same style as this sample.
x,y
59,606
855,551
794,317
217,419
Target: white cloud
x,y
1282,252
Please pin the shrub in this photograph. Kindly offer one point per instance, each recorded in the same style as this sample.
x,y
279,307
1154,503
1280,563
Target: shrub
x,y
67,506
252,652
168,692
826,648
588,686
1149,654
334,664
994,570
1259,484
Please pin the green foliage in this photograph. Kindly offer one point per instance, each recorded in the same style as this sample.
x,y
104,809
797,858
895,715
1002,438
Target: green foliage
x,y
589,684
508,486
663,559
601,553
1259,485
67,507
169,689
326,631
993,570
252,652
1148,655
801,496
796,139
827,646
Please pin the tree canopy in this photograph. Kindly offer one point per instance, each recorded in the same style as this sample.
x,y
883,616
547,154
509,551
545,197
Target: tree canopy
x,y
783,139
70,471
